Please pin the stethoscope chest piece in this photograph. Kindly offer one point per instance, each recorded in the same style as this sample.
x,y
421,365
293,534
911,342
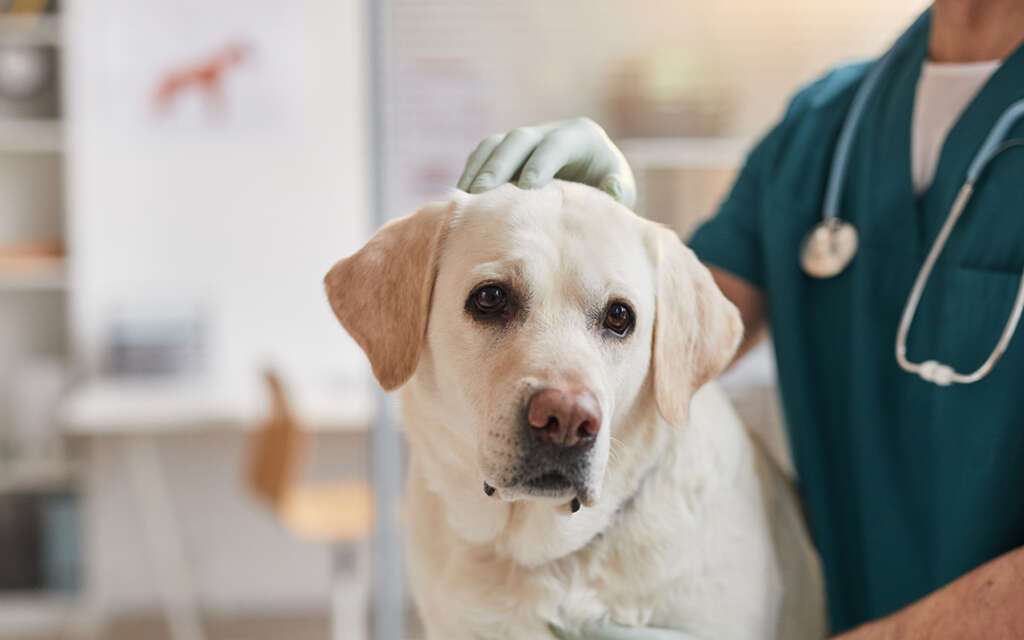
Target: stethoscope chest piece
x,y
828,248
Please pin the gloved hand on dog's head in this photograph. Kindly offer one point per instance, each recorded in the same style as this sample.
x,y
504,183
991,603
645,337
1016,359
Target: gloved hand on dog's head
x,y
617,632
576,150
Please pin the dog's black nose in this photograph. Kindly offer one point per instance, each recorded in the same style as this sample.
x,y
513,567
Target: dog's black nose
x,y
564,417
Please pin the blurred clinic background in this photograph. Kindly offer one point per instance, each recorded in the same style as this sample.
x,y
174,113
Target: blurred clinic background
x,y
175,178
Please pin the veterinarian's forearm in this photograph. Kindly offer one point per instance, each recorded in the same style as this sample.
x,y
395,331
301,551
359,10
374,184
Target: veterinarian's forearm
x,y
750,301
985,603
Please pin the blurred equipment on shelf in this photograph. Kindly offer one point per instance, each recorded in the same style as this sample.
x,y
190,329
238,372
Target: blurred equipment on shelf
x,y
29,69
156,340
59,553
24,71
39,538
28,8
20,564
669,93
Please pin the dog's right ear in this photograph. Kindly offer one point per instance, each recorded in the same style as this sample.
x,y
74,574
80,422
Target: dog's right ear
x,y
696,329
381,294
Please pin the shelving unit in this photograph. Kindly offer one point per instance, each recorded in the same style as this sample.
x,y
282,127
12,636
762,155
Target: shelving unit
x,y
33,327
37,475
31,615
33,274
51,277
31,135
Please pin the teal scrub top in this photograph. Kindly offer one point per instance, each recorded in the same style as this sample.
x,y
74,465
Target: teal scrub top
x,y
907,485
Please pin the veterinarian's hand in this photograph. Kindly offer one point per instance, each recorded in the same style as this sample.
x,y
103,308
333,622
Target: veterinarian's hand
x,y
577,150
615,632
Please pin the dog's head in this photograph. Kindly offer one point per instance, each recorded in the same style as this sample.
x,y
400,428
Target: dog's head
x,y
539,324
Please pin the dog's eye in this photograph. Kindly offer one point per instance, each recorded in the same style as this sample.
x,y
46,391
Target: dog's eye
x,y
488,299
618,318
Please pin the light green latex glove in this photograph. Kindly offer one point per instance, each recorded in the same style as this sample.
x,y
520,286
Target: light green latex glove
x,y
578,150
616,632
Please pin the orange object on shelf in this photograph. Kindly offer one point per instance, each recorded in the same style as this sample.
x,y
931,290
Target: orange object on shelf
x,y
31,257
27,7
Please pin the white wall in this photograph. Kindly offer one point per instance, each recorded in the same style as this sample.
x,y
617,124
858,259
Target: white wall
x,y
242,220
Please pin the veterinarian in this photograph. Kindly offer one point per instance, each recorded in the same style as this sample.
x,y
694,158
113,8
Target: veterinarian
x,y
905,408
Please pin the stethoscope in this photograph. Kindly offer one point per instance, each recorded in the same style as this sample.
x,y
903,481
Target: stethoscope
x,y
832,243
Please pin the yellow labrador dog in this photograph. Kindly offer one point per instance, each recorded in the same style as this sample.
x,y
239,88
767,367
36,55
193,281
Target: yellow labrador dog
x,y
570,462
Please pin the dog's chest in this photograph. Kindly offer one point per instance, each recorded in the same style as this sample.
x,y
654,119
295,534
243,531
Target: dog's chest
x,y
472,594
632,574
465,590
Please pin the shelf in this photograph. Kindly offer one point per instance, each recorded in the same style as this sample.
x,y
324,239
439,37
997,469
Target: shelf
x,y
32,273
27,135
53,278
685,153
23,476
30,30
31,614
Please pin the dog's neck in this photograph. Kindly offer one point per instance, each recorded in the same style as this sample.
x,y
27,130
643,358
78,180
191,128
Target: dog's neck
x,y
531,532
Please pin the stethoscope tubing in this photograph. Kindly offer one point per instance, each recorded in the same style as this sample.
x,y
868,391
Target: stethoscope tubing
x,y
841,154
930,370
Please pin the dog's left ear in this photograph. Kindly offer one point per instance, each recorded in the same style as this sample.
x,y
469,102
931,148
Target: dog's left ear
x,y
696,329
381,294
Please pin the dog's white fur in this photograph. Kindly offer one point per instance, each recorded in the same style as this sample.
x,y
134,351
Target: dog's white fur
x,y
688,526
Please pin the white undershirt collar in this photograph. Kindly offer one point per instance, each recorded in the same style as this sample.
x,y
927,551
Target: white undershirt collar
x,y
944,90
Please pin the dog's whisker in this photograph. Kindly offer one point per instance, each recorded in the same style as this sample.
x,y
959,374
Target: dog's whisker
x,y
613,444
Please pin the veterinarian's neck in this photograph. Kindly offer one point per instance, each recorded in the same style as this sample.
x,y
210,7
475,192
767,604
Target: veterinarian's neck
x,y
975,30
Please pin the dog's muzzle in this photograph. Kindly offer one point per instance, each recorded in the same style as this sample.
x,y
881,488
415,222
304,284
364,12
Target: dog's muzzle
x,y
558,432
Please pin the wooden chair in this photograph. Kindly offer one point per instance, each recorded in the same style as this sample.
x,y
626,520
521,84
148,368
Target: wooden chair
x,y
340,514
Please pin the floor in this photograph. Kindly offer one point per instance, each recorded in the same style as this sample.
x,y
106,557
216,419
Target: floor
x,y
308,627
295,627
